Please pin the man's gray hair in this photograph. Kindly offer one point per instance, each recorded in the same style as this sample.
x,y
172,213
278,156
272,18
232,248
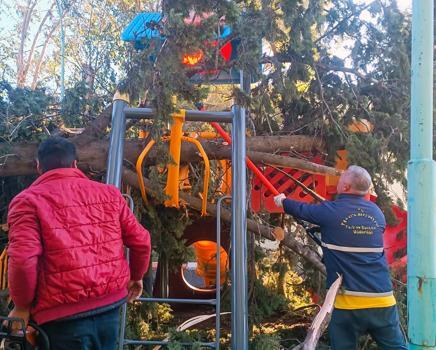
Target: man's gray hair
x,y
360,179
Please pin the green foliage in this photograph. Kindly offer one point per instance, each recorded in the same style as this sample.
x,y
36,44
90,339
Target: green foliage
x,y
277,288
81,104
157,74
266,302
23,101
307,89
148,320
265,342
23,116
23,113
167,226
400,289
177,340
96,53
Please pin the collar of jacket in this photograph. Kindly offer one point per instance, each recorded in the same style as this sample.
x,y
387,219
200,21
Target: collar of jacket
x,y
57,174
349,195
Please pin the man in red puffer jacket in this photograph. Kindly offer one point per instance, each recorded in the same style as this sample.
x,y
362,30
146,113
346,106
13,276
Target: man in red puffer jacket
x,y
67,269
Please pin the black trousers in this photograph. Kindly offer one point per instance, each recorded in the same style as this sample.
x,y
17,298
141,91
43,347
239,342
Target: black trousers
x,y
346,326
94,332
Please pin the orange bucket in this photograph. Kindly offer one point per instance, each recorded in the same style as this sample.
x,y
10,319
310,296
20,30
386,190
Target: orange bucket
x,y
205,252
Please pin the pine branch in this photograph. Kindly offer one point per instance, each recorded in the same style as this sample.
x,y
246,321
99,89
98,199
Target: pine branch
x,y
353,14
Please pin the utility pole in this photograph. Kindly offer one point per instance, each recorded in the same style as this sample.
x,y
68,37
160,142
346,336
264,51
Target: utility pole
x,y
421,230
62,39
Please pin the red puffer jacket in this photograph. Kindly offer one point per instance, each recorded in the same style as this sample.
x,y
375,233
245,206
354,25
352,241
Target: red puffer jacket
x,y
66,241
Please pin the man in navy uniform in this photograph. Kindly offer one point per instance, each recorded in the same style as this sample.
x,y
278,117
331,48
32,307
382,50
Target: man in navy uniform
x,y
352,242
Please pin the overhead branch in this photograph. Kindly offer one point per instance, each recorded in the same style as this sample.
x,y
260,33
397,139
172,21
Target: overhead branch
x,y
321,92
286,59
348,70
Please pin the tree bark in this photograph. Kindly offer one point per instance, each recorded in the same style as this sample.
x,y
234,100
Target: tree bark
x,y
290,242
297,143
289,162
19,158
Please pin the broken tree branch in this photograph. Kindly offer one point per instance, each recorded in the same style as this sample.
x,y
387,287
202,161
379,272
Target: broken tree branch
x,y
290,162
322,319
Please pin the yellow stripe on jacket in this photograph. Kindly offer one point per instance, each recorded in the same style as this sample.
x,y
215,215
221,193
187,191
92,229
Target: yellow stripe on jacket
x,y
352,302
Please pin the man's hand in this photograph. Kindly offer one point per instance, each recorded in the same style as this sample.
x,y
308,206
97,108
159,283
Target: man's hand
x,y
135,290
278,200
17,312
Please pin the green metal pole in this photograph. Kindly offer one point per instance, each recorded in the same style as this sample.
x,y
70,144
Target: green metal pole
x,y
421,271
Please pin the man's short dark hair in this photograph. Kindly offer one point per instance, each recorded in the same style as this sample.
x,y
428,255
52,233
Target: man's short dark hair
x,y
56,152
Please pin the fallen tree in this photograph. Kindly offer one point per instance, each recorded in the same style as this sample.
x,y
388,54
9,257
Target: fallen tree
x,y
19,159
92,144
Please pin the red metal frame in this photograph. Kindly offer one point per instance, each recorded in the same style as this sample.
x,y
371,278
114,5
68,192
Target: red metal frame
x,y
262,199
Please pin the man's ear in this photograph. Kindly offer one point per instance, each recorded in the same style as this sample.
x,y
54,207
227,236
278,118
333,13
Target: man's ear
x,y
74,164
38,167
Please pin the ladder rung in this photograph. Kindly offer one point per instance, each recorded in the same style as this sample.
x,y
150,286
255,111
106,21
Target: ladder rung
x,y
163,342
179,301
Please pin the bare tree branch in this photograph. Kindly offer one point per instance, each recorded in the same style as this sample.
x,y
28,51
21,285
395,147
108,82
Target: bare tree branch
x,y
35,40
21,79
321,92
42,55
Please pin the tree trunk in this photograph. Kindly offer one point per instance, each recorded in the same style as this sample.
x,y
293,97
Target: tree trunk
x,y
24,32
97,129
19,158
296,143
